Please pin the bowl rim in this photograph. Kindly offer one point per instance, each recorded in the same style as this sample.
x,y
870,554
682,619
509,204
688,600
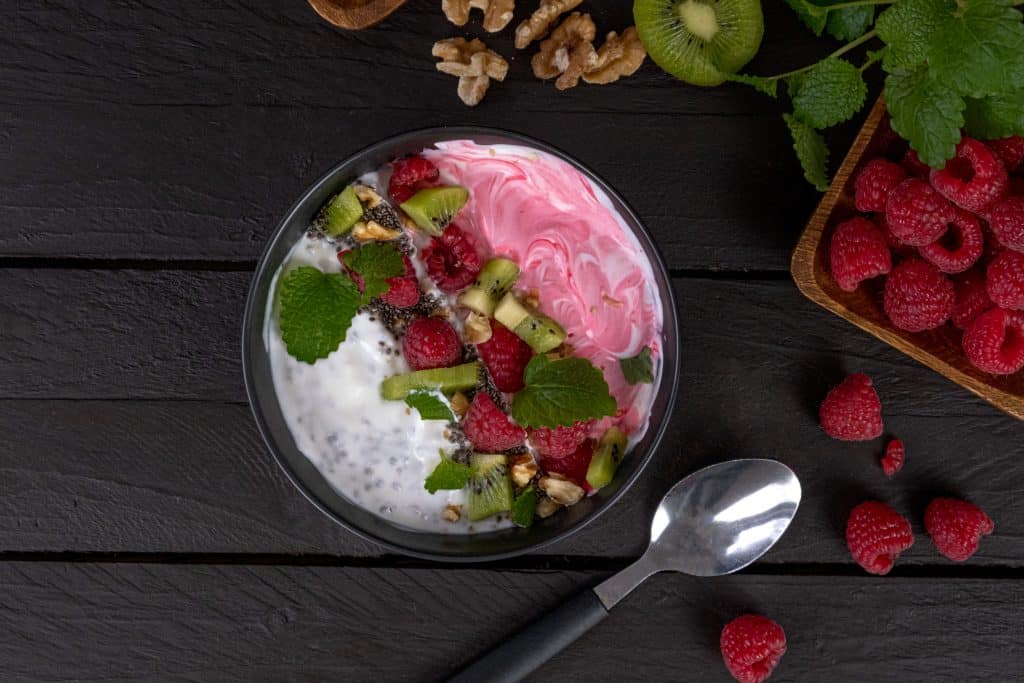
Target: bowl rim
x,y
254,311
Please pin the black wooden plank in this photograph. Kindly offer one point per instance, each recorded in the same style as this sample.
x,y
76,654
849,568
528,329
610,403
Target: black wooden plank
x,y
213,623
184,131
81,474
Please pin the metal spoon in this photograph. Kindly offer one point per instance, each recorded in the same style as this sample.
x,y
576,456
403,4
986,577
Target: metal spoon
x,y
716,521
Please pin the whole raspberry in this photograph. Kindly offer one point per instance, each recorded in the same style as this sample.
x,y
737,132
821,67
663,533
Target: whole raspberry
x,y
852,411
452,260
960,248
973,179
971,299
874,183
1005,276
752,646
876,535
895,454
408,175
914,166
1007,222
573,466
489,429
916,213
403,290
896,245
505,356
1010,151
956,527
994,342
917,296
560,441
858,252
431,343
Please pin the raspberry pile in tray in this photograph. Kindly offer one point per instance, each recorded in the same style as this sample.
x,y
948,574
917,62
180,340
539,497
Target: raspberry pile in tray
x,y
950,244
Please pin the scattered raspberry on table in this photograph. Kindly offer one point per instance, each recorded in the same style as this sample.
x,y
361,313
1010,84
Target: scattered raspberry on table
x,y
895,454
752,646
876,535
852,411
956,527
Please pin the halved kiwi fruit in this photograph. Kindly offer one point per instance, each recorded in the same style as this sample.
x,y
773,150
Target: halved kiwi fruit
x,y
495,279
536,329
448,380
490,489
341,213
607,458
434,208
700,41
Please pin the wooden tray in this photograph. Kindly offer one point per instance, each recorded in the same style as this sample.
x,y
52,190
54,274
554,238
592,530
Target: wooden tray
x,y
939,349
355,14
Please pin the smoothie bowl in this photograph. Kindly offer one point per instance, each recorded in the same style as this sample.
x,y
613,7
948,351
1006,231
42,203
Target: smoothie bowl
x,y
461,344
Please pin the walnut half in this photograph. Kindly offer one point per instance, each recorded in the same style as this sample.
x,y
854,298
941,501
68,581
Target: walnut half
x,y
560,489
497,13
619,56
540,21
473,63
568,53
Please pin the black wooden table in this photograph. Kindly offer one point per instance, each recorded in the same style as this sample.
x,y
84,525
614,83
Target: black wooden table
x,y
147,149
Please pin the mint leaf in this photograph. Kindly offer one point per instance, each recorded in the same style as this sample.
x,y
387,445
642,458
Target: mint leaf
x,y
375,262
850,23
767,86
926,114
907,27
979,48
995,117
524,507
316,311
448,475
830,93
430,406
561,392
810,150
639,369
813,17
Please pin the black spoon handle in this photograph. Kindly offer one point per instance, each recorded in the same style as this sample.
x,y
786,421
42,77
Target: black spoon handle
x,y
518,656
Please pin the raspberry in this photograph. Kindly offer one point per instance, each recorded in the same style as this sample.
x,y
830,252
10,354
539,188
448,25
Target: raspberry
x,y
994,342
874,183
917,296
1010,151
852,411
895,454
1006,280
573,466
896,245
408,175
1007,222
505,356
916,213
858,252
956,527
752,646
971,299
914,166
356,277
489,429
452,260
973,179
560,441
876,535
960,248
431,343
404,290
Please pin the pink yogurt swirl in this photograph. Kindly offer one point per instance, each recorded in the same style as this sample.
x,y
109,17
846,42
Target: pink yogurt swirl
x,y
572,248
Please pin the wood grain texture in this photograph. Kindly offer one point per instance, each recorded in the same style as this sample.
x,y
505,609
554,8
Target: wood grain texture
x,y
184,471
940,349
227,623
185,130
354,15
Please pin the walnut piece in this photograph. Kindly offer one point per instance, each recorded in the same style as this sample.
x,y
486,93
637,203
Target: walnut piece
x,y
619,56
368,196
568,53
452,512
547,507
523,470
372,231
536,27
478,328
460,404
497,13
473,63
560,489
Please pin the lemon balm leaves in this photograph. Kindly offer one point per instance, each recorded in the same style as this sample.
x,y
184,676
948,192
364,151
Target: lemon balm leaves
x,y
430,406
978,48
908,28
316,311
925,112
849,23
561,392
375,263
447,476
831,92
810,149
998,116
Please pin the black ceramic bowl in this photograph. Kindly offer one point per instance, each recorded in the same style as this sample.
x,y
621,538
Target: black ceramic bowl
x,y
305,476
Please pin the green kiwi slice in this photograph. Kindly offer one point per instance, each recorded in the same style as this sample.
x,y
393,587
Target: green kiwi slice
x,y
700,41
536,329
495,279
434,208
448,380
606,459
490,489
341,213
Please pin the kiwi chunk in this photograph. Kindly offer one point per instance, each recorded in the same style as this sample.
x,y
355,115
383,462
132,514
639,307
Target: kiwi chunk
x,y
509,312
606,459
448,380
490,489
536,329
341,213
434,208
700,41
494,281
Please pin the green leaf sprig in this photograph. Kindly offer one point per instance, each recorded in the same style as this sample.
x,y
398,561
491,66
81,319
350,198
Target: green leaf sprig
x,y
561,393
447,476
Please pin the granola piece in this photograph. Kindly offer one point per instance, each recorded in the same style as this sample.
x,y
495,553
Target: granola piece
x,y
368,196
372,231
537,26
568,53
478,328
460,404
619,56
559,489
452,513
473,63
497,13
523,470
